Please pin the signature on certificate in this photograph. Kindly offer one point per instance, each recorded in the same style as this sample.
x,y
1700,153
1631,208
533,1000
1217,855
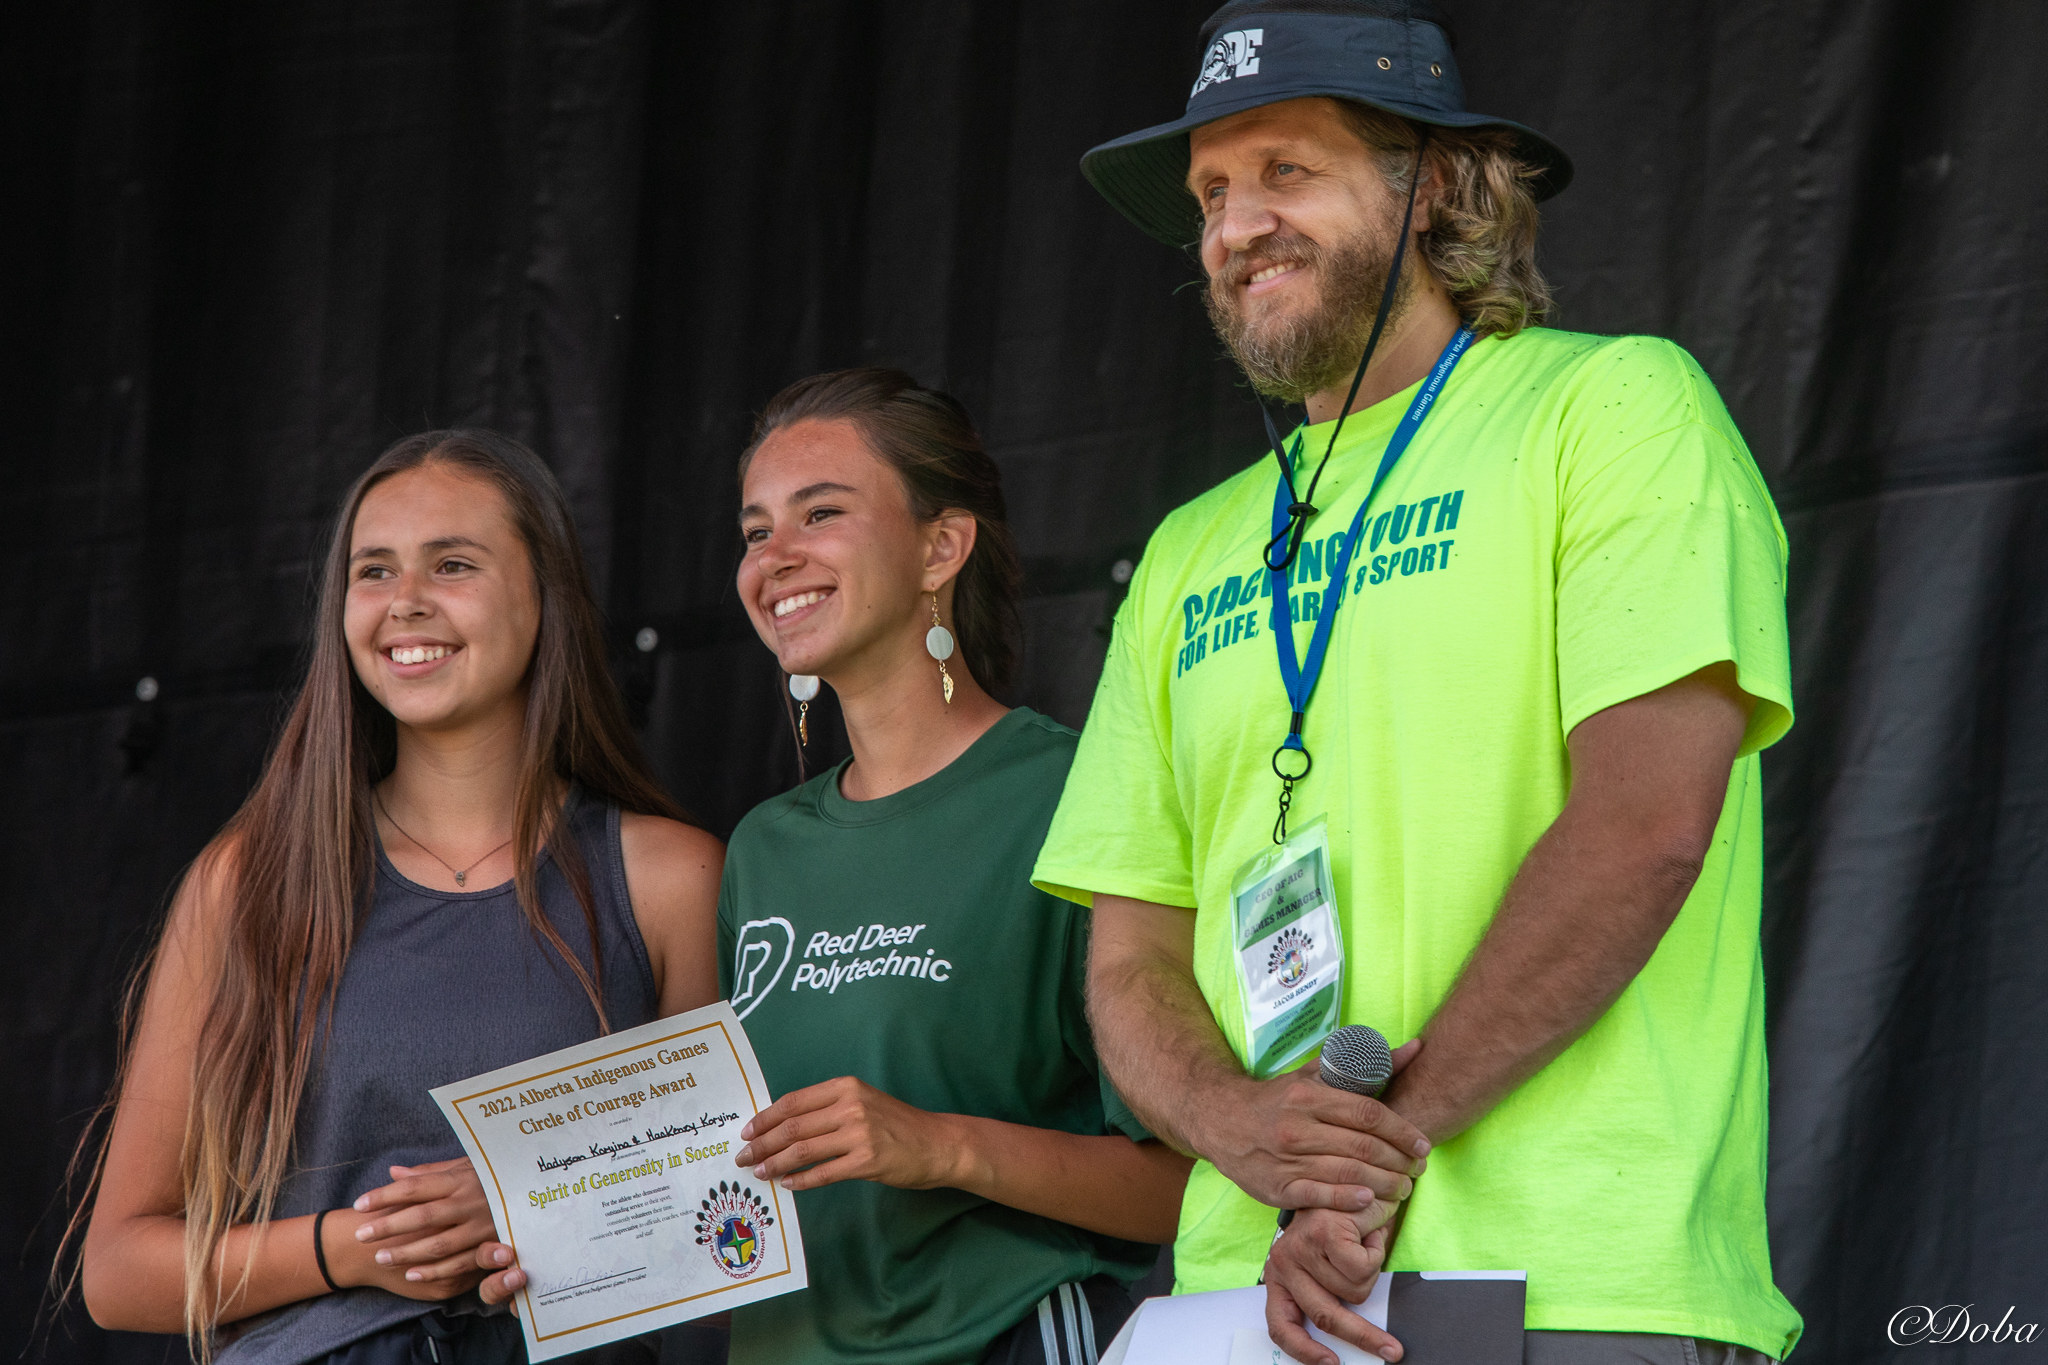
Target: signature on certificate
x,y
703,1123
582,1277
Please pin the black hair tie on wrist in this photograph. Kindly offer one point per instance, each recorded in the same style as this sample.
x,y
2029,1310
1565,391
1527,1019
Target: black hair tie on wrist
x,y
320,1252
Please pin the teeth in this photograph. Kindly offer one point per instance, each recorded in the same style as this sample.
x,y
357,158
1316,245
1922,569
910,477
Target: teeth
x,y
418,654
801,600
1270,272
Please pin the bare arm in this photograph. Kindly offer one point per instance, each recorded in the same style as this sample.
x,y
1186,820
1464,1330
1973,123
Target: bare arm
x,y
1584,913
672,872
1110,1185
1590,902
134,1255
845,1129
1291,1142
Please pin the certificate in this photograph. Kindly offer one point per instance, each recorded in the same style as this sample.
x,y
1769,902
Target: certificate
x,y
609,1169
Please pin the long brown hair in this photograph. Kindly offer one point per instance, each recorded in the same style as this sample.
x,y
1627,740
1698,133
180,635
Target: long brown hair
x,y
1481,237
929,440
295,861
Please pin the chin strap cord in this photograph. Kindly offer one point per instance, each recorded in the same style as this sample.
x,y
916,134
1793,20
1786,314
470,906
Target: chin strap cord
x,y
1302,507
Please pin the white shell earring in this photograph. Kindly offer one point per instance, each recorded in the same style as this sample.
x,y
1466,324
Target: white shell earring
x,y
938,642
803,687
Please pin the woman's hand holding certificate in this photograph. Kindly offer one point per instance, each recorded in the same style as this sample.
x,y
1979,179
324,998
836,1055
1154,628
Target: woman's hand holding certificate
x,y
608,1169
431,1219
845,1129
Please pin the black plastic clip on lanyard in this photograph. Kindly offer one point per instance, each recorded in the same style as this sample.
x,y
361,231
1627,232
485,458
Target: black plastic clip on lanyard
x,y
1302,508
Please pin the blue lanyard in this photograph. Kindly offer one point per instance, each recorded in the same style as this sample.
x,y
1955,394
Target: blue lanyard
x,y
1300,680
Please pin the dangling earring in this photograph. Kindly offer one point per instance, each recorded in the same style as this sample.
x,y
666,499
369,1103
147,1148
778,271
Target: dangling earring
x,y
803,687
938,642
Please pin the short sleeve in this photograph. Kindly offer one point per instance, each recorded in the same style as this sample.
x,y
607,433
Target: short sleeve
x,y
1120,829
727,900
1670,554
1116,1114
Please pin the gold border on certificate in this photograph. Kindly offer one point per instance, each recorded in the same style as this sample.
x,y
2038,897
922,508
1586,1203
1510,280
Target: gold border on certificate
x,y
511,1079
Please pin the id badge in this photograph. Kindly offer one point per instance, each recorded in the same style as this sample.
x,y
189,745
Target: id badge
x,y
1290,954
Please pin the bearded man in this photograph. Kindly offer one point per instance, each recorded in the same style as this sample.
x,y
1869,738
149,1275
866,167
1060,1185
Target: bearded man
x,y
1472,685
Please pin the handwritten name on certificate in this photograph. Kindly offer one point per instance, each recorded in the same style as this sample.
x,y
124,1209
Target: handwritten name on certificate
x,y
609,1169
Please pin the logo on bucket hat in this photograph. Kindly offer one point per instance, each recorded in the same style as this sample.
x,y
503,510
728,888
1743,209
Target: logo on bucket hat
x,y
1392,55
1232,54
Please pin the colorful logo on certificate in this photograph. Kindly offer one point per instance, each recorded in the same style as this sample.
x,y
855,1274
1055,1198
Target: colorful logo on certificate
x,y
731,1224
1289,958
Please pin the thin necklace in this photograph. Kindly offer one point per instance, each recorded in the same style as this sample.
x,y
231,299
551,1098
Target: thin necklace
x,y
461,877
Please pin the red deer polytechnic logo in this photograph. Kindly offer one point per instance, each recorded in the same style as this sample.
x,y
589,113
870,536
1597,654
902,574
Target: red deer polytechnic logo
x,y
1232,54
732,1223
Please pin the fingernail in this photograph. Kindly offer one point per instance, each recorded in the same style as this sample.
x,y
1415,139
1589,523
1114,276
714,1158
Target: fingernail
x,y
500,1256
1361,1202
761,1171
366,1233
1422,1146
747,1132
383,1258
415,1275
363,1205
788,1182
515,1279
746,1155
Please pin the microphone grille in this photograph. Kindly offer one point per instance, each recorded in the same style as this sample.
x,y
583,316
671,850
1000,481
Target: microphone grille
x,y
1356,1058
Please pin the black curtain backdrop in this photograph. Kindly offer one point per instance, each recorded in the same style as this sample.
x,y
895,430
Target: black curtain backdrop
x,y
247,245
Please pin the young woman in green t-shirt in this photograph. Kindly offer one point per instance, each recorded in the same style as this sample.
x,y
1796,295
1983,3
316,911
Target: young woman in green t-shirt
x,y
972,1188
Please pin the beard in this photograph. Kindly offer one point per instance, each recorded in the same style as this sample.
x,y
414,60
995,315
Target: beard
x,y
1296,353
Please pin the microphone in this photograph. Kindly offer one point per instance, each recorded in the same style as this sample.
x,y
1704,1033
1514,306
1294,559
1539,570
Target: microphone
x,y
1355,1058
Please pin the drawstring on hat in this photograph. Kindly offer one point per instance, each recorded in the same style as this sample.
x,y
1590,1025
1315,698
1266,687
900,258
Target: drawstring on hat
x,y
1301,507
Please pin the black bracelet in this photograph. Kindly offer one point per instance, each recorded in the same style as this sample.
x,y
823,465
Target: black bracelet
x,y
320,1252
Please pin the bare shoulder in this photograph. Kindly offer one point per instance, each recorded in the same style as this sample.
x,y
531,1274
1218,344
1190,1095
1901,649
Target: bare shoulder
x,y
667,857
182,980
672,872
201,909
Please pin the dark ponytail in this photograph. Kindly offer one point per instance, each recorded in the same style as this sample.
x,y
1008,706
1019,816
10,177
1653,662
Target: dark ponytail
x,y
928,439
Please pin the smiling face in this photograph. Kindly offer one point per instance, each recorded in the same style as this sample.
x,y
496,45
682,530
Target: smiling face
x,y
1298,233
442,611
837,565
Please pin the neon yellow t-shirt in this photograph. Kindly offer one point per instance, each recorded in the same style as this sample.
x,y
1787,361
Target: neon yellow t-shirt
x,y
1577,523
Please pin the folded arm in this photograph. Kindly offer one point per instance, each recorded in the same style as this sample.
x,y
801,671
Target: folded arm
x,y
1584,913
1292,1141
1590,902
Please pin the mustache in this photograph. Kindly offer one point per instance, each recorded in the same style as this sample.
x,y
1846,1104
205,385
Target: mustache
x,y
1292,250
1300,351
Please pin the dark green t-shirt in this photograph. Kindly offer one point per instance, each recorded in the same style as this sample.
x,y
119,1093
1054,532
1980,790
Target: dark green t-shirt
x,y
901,941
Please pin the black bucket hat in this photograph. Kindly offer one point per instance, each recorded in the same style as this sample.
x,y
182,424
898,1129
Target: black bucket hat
x,y
1391,54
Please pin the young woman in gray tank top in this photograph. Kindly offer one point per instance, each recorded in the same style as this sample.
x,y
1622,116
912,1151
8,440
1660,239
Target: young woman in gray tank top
x,y
456,859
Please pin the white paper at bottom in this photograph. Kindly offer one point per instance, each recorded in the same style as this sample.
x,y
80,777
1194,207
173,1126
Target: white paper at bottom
x,y
1254,1346
1219,1327
609,1169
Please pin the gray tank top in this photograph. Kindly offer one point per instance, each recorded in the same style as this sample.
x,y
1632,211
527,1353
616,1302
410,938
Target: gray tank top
x,y
440,985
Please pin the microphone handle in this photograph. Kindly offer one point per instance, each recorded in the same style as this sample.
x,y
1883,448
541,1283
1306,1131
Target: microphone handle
x,y
1287,1215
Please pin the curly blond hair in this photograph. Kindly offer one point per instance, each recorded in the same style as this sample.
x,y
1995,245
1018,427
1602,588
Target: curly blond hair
x,y
1481,238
